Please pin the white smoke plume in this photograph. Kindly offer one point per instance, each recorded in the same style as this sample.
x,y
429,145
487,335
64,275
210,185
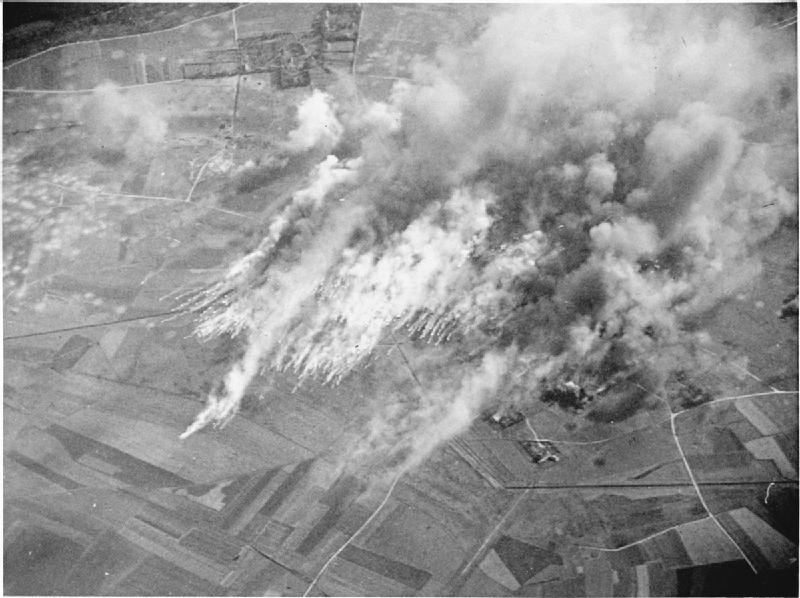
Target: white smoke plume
x,y
317,124
401,434
559,200
229,304
276,304
410,284
120,126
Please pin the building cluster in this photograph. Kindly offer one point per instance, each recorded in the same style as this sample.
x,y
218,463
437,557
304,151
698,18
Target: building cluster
x,y
287,55
538,451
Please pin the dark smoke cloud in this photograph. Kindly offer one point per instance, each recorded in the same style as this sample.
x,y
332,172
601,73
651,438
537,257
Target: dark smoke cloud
x,y
557,202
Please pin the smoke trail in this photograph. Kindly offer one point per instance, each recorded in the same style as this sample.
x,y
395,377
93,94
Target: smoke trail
x,y
411,284
401,434
229,304
275,305
558,202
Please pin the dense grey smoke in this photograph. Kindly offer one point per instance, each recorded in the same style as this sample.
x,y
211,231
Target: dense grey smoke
x,y
559,201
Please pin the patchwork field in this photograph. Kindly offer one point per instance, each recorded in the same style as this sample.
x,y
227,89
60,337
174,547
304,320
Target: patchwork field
x,y
117,204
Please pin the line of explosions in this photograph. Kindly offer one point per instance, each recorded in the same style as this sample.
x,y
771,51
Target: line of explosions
x,y
563,199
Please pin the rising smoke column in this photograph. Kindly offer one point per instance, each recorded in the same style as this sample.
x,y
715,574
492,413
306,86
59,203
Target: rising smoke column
x,y
557,201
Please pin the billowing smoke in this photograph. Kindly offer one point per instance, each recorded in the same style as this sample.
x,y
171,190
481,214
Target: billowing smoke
x,y
120,127
556,203
317,124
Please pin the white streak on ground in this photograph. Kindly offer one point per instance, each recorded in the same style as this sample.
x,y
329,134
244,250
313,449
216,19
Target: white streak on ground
x,y
353,537
200,175
490,537
700,494
148,197
656,534
766,496
741,369
530,427
358,37
663,421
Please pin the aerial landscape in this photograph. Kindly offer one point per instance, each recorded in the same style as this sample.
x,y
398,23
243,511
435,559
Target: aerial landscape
x,y
400,299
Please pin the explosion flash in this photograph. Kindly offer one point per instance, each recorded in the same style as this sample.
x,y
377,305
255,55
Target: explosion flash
x,y
559,200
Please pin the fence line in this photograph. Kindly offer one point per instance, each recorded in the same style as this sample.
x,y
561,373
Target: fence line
x,y
130,86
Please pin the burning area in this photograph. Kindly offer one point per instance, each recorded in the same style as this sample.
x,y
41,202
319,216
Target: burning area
x,y
547,213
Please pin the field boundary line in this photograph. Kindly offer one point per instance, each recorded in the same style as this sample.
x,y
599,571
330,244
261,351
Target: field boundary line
x,y
131,86
385,77
200,174
459,578
700,495
31,283
736,398
87,326
105,39
530,427
620,485
407,363
147,198
738,367
358,38
353,537
645,539
643,428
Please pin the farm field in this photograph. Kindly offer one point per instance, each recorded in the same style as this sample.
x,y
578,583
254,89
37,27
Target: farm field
x,y
129,186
